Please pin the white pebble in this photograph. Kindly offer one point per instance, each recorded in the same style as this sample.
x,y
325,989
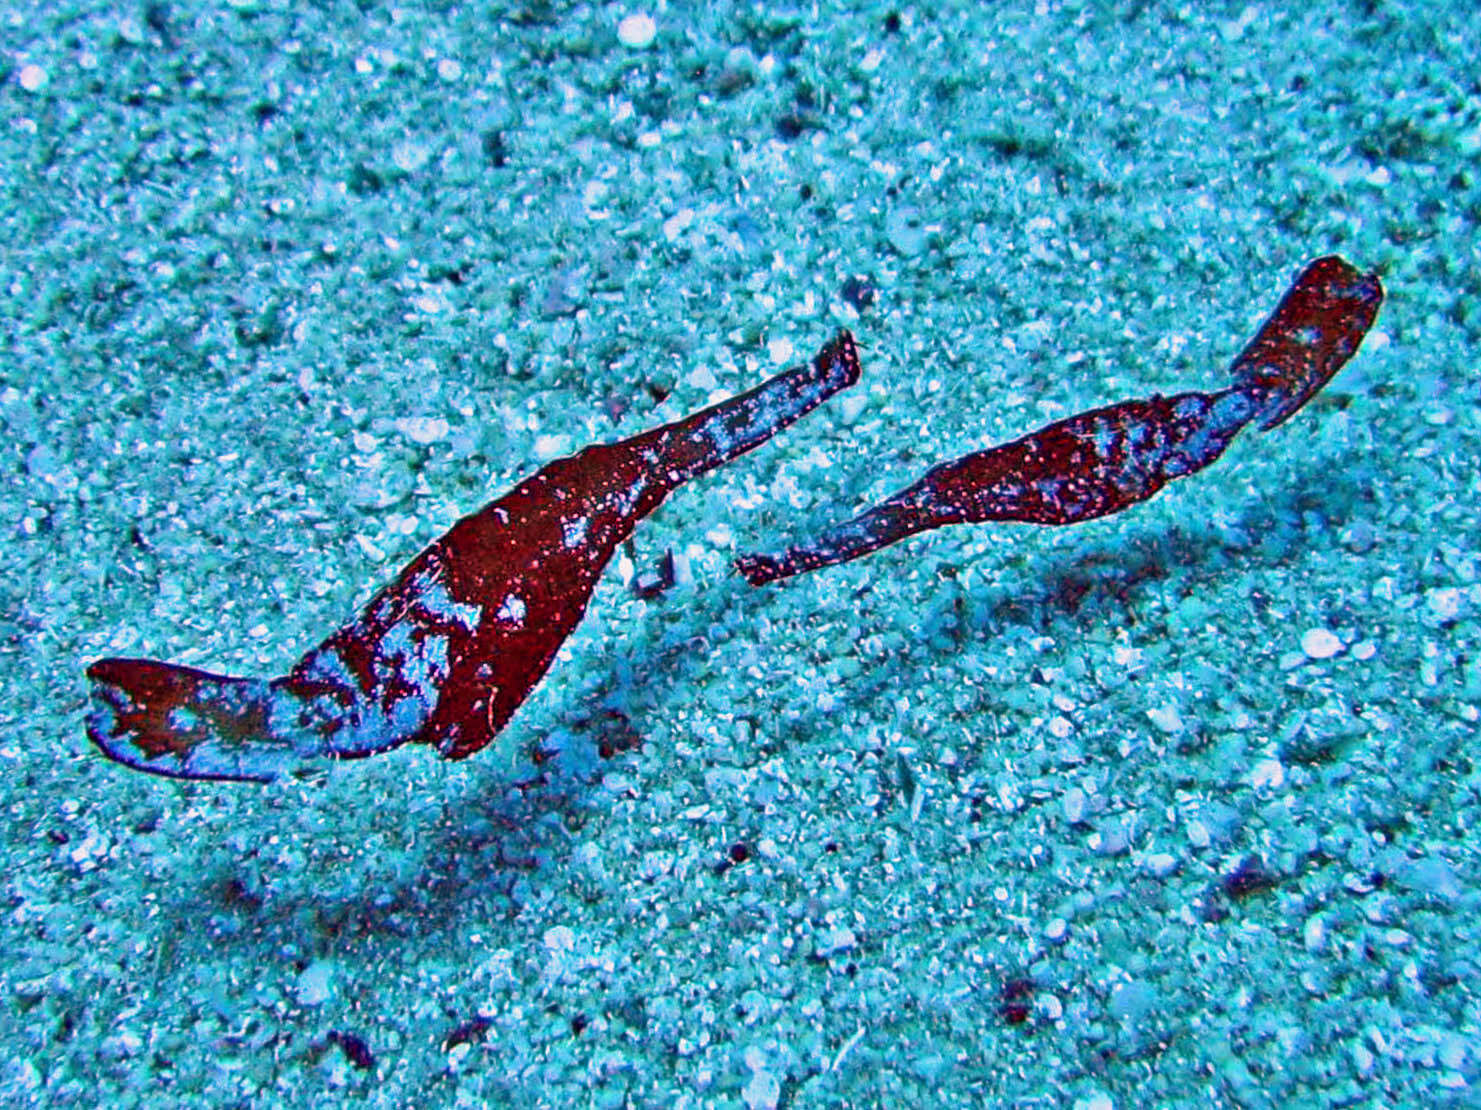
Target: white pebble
x,y
763,1091
833,941
1268,774
1319,643
1198,834
780,351
121,1045
1110,840
32,77
422,429
1166,718
1073,804
905,230
1160,864
1452,1052
1444,603
677,224
549,447
409,156
315,983
1314,933
1432,875
1132,1001
637,30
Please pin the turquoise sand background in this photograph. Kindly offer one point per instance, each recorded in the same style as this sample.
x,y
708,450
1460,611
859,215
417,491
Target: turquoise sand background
x,y
1174,808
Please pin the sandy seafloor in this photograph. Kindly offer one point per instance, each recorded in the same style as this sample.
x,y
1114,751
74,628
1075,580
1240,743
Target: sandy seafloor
x,y
1088,817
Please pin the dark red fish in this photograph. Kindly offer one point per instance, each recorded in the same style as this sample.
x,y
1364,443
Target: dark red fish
x,y
1099,462
446,653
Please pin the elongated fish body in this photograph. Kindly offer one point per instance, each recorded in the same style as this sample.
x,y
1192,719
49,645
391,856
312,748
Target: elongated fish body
x,y
447,652
1102,461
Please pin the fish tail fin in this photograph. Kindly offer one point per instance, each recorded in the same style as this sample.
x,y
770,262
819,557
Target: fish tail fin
x,y
191,724
1315,329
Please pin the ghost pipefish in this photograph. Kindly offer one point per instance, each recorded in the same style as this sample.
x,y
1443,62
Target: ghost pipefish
x,y
1102,461
446,653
